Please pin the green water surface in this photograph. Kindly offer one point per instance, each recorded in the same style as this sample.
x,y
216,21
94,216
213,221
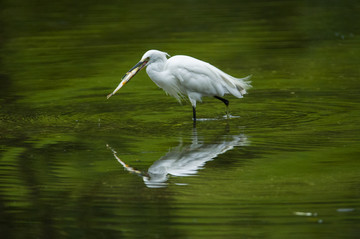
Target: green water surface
x,y
285,166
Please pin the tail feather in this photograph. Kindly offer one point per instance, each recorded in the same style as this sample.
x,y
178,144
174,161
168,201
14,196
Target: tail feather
x,y
230,84
243,84
237,86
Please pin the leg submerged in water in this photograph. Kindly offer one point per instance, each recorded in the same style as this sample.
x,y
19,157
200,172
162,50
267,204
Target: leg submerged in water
x,y
194,113
226,102
194,117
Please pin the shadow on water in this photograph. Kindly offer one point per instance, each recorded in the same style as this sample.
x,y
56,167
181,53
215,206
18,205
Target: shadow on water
x,y
185,159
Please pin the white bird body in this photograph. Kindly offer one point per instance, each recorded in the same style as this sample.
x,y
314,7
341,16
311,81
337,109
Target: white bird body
x,y
181,76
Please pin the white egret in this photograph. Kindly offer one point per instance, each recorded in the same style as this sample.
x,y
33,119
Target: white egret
x,y
181,76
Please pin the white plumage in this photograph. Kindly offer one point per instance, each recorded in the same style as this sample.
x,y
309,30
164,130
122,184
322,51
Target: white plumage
x,y
182,76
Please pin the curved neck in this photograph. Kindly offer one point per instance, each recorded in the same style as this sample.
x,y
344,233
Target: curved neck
x,y
155,68
157,64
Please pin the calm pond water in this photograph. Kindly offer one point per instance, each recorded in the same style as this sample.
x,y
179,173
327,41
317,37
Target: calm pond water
x,y
76,165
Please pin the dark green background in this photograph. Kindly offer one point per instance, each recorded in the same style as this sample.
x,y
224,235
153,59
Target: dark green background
x,y
297,175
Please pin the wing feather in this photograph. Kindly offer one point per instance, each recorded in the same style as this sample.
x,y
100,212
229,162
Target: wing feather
x,y
198,76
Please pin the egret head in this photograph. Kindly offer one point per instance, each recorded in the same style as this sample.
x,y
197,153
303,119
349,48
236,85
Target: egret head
x,y
149,57
154,55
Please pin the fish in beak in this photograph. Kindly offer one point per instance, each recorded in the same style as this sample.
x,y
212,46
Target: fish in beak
x,y
130,74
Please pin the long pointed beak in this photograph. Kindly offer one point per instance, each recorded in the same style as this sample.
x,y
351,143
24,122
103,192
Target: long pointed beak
x,y
127,77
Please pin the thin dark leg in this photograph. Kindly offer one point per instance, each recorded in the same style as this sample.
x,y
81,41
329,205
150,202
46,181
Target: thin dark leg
x,y
226,102
194,113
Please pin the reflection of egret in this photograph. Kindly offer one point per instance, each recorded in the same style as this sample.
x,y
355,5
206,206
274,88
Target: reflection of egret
x,y
184,160
181,76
